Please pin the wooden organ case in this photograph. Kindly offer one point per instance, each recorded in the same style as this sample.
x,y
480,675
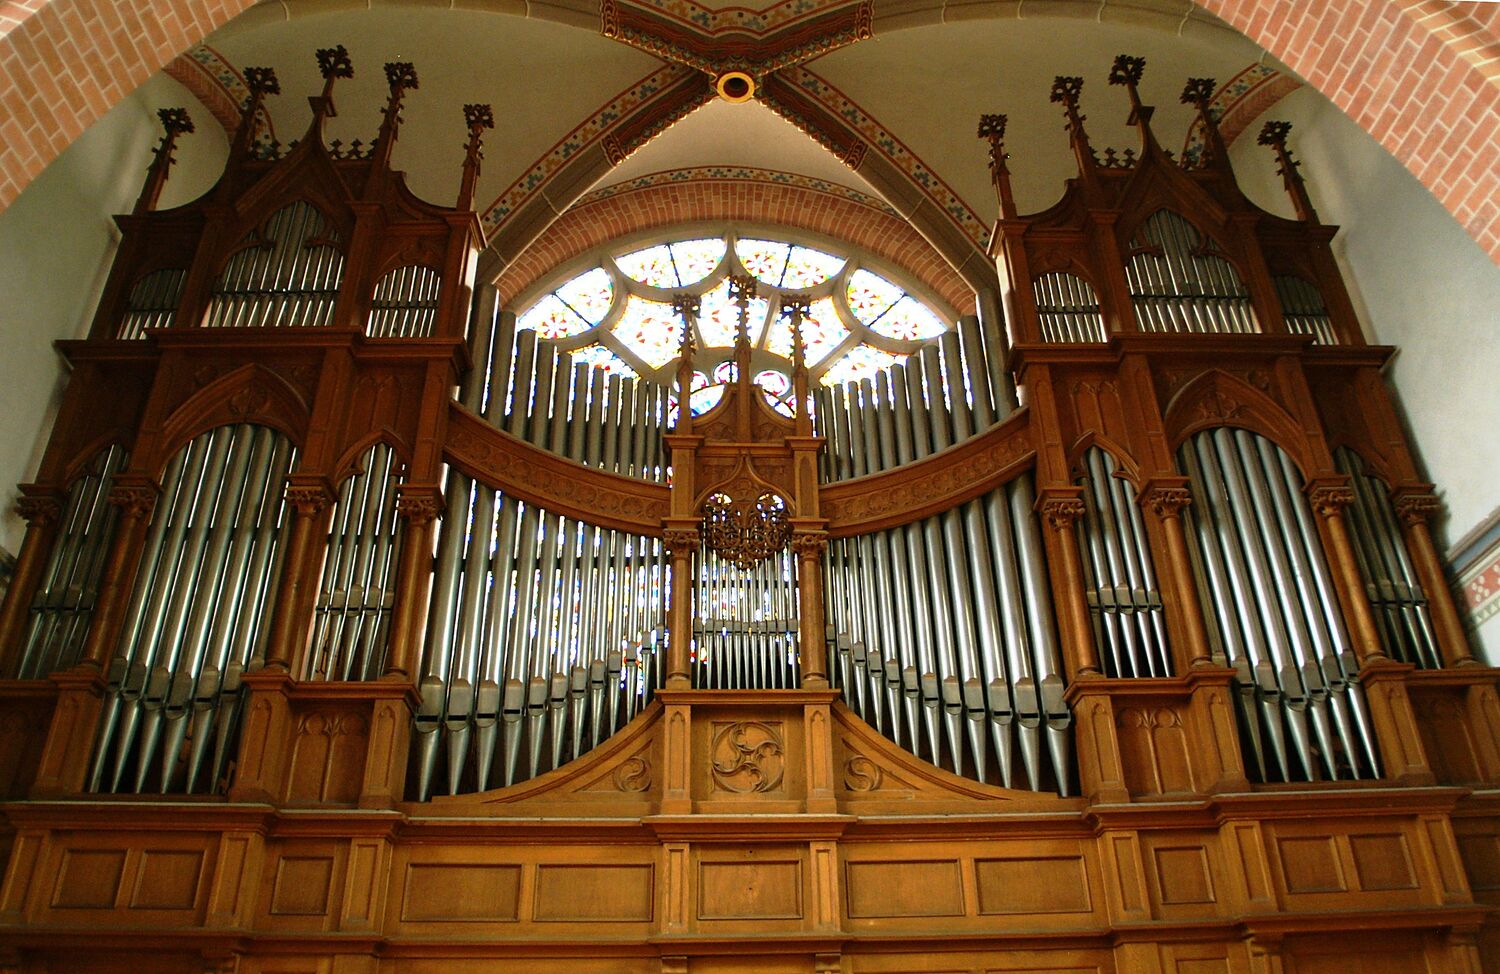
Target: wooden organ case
x,y
311,666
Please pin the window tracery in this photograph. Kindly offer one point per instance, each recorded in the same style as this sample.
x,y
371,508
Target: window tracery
x,y
618,315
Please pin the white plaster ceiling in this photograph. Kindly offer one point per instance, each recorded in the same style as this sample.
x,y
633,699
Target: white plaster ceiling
x,y
748,134
929,85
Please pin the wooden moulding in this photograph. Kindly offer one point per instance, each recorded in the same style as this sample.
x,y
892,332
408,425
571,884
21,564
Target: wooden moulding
x,y
323,743
1458,712
559,485
26,708
931,485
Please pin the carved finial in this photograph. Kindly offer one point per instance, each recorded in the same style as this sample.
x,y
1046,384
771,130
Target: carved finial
x,y
262,81
1127,71
1198,92
742,289
401,76
333,62
175,122
1274,134
1066,90
687,306
477,118
798,307
992,129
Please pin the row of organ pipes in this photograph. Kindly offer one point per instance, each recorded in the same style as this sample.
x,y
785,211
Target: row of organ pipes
x,y
943,628
546,634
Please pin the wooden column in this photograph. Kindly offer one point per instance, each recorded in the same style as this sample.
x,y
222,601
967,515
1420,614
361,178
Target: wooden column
x,y
135,495
310,500
1414,510
1164,499
421,505
1329,496
812,632
682,543
41,508
1061,507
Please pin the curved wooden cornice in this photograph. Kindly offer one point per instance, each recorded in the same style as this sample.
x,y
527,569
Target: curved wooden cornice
x,y
931,485
561,486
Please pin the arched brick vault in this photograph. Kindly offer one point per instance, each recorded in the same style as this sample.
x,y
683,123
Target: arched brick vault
x,y
595,221
1421,76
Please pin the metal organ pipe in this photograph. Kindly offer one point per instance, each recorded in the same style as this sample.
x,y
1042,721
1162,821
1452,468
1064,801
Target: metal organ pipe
x,y
152,302
1176,287
289,276
207,576
1302,709
544,629
404,304
945,623
63,604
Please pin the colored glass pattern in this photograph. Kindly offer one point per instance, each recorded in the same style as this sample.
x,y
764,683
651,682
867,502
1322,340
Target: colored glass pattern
x,y
861,362
806,267
602,358
909,321
651,266
822,332
718,318
551,318
650,330
589,295
871,295
696,259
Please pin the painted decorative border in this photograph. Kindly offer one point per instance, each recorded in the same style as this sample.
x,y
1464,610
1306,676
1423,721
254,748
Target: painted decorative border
x,y
738,174
218,85
834,101
1479,585
592,129
739,20
728,42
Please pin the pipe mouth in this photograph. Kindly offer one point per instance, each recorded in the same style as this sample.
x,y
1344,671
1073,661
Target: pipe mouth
x,y
735,87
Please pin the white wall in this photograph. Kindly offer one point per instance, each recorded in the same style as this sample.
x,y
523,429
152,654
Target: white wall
x,y
56,242
1419,283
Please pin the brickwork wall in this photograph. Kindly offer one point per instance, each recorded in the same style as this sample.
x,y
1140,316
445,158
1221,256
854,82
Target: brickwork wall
x,y
878,232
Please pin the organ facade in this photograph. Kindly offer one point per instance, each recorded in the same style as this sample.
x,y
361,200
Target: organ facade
x,y
362,626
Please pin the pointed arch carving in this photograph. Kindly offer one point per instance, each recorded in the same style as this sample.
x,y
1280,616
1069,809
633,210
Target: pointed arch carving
x,y
249,394
347,464
1124,462
1216,398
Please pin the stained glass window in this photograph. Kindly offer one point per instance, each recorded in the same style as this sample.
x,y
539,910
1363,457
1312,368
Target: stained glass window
x,y
859,321
870,295
602,358
718,318
650,330
822,332
696,259
908,321
861,362
806,268
650,266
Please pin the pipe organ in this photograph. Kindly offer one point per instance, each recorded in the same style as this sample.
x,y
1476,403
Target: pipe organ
x,y
357,629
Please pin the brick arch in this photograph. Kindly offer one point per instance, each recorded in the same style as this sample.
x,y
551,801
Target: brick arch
x,y
598,219
1418,75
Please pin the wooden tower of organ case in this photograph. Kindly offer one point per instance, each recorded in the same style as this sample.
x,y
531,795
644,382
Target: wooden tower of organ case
x,y
311,666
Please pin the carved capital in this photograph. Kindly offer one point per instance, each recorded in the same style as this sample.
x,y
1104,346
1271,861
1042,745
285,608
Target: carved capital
x,y
1060,512
1416,508
308,499
1329,500
135,497
419,504
39,510
681,541
810,544
1166,502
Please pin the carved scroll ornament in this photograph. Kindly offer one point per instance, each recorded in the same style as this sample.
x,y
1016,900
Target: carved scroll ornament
x,y
746,532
